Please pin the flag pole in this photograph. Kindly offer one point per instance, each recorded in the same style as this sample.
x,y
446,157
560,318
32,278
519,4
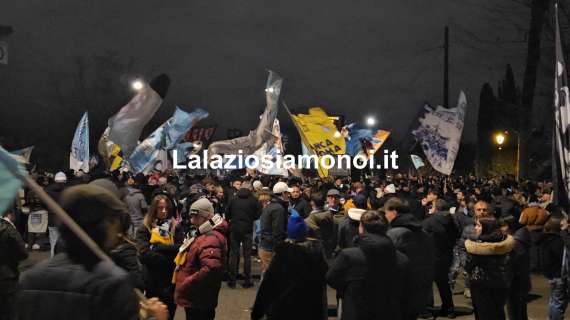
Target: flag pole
x,y
70,223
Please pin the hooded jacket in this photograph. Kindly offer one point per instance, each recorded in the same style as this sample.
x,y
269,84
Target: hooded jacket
x,y
443,231
488,263
242,211
369,279
294,285
409,238
199,279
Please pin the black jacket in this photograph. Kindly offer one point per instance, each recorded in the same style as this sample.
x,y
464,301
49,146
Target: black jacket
x,y
369,279
552,247
441,227
294,285
347,231
12,251
488,263
242,211
158,263
273,224
125,256
54,191
61,289
302,206
520,260
409,238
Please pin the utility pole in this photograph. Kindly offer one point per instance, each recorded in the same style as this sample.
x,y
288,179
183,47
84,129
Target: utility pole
x,y
446,68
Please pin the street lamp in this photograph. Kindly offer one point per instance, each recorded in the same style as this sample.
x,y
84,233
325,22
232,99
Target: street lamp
x,y
137,85
500,139
370,121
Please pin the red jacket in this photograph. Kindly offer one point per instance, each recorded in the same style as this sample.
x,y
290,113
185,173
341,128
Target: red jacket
x,y
199,279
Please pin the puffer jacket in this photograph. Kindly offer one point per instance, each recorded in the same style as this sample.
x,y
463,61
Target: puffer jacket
x,y
58,288
12,251
488,263
199,279
273,224
409,238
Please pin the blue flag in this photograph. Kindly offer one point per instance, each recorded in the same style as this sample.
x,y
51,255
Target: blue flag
x,y
79,156
164,137
9,183
179,124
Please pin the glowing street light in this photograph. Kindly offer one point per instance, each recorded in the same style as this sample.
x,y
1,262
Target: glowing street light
x,y
500,139
137,85
370,121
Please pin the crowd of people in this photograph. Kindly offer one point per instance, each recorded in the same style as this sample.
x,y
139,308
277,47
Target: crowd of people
x,y
381,242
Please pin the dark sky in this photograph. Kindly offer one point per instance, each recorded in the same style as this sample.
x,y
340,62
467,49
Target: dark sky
x,y
352,57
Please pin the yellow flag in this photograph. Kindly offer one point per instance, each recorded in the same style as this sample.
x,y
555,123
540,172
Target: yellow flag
x,y
319,133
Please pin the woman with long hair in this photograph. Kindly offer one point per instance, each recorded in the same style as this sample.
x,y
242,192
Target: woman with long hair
x,y
158,240
489,269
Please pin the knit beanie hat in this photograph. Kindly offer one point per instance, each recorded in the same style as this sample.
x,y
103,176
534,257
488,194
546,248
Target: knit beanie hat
x,y
296,227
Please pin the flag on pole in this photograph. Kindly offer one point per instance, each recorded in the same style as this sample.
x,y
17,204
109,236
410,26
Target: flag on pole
x,y
256,138
179,124
9,182
318,134
79,156
360,140
439,134
561,120
126,126
23,155
272,149
165,137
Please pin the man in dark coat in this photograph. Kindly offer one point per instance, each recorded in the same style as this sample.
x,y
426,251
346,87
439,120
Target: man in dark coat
x,y
298,203
75,284
409,238
273,223
54,191
242,211
321,224
12,251
371,276
294,285
441,226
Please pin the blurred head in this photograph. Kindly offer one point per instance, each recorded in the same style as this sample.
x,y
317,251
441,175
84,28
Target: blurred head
x,y
219,192
295,192
393,207
264,198
317,201
481,209
553,225
236,184
99,213
487,226
373,222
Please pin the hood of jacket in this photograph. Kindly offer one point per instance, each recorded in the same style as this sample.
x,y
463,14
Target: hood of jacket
x,y
244,193
406,221
490,248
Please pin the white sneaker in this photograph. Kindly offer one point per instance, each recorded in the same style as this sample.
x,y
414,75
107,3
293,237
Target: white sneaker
x,y
467,293
36,246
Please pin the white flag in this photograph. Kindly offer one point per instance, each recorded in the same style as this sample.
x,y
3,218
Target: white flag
x,y
79,156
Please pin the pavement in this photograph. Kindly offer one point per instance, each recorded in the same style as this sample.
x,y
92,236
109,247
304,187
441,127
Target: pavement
x,y
235,304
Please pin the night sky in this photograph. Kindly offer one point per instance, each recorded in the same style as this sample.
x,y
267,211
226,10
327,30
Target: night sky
x,y
356,58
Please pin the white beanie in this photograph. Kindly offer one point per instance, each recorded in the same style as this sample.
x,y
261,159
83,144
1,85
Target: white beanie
x,y
60,177
257,185
391,188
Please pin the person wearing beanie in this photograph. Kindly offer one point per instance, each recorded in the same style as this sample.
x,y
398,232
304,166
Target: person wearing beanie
x,y
76,284
294,285
200,264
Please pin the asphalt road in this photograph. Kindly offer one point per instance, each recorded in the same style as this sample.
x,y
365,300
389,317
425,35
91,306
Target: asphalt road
x,y
234,304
